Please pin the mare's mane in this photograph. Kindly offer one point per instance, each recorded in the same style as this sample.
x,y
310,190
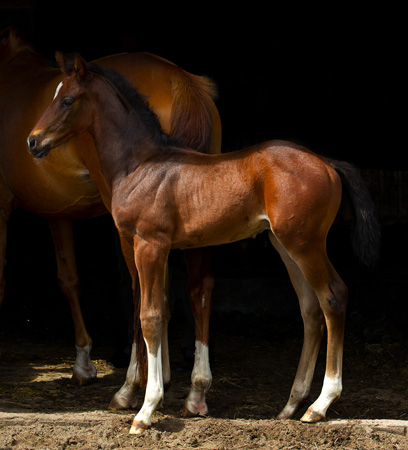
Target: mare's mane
x,y
137,103
13,45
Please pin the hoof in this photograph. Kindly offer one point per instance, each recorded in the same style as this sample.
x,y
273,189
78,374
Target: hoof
x,y
82,380
118,402
312,417
186,413
285,415
194,410
84,375
138,428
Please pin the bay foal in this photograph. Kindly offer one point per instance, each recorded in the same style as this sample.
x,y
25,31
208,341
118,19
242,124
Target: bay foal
x,y
164,196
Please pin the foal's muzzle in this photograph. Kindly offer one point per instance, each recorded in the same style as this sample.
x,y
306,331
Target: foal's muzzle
x,y
39,149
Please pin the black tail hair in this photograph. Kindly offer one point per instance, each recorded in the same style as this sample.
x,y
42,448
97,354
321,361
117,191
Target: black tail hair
x,y
366,231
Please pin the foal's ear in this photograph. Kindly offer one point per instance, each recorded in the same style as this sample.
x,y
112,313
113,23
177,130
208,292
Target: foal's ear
x,y
69,67
80,67
65,64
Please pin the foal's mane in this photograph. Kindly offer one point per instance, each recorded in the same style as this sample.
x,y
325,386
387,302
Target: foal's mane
x,y
137,103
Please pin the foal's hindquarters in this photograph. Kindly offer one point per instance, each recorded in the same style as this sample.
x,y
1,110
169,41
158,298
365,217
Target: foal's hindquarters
x,y
299,228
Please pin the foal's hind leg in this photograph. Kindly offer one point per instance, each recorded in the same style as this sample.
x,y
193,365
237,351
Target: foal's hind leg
x,y
313,321
62,234
332,295
200,287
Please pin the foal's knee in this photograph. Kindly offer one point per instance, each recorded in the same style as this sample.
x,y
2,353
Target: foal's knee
x,y
152,326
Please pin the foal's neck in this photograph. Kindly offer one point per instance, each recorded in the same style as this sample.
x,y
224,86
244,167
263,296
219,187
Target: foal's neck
x,y
121,138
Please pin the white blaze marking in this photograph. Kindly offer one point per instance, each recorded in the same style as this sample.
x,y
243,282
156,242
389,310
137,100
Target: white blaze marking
x,y
57,91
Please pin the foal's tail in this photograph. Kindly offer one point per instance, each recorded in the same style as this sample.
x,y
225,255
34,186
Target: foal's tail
x,y
366,233
194,116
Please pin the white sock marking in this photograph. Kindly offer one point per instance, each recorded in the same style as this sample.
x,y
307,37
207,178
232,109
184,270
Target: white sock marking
x,y
154,388
331,390
200,381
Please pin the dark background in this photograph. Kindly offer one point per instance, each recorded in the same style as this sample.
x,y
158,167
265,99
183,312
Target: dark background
x,y
330,78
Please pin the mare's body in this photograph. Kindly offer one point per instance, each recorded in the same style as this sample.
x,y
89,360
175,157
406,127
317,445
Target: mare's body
x,y
68,185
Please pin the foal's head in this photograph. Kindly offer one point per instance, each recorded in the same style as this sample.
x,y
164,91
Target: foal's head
x,y
69,113
72,111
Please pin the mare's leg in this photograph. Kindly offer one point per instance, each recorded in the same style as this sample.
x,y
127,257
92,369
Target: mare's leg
x,y
126,396
63,237
200,287
151,260
6,208
332,294
313,321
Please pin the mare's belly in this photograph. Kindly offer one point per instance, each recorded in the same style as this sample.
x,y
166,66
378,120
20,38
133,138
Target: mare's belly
x,y
58,185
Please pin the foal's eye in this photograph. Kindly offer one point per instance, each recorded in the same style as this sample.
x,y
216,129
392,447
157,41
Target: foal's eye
x,y
67,101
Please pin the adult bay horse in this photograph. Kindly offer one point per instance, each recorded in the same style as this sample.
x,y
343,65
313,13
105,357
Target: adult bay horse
x,y
164,196
63,188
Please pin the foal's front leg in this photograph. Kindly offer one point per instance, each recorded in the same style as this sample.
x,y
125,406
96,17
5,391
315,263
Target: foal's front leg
x,y
151,265
126,396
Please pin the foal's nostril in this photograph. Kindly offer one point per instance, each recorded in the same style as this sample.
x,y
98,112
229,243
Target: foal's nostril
x,y
32,143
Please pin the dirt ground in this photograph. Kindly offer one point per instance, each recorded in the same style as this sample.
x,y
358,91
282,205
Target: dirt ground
x,y
253,368
254,362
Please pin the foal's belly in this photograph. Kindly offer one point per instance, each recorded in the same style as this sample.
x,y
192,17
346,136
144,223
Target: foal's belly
x,y
221,231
